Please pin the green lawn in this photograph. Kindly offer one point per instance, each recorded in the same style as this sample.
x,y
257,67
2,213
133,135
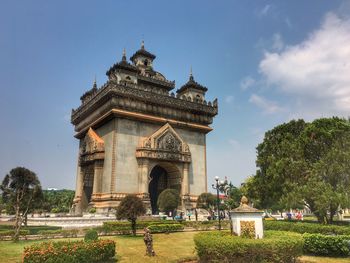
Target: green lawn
x,y
168,247
309,259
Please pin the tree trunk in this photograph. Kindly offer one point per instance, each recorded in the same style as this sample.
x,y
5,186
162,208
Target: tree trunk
x,y
25,219
133,226
332,212
17,220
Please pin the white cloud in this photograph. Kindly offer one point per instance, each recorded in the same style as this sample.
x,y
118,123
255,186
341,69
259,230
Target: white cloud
x,y
316,71
265,10
247,82
229,99
277,42
268,107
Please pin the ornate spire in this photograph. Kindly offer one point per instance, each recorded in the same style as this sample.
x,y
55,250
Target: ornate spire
x,y
124,55
95,84
191,74
143,44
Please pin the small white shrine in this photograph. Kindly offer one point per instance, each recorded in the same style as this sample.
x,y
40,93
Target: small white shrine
x,y
247,221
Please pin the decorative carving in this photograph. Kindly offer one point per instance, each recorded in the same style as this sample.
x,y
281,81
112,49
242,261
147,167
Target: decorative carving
x,y
180,108
168,142
248,229
92,148
164,144
147,143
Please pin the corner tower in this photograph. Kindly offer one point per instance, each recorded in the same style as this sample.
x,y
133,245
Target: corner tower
x,y
138,137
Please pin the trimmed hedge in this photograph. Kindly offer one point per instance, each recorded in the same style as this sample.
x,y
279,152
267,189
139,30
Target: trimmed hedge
x,y
72,252
33,230
59,232
206,225
125,227
302,227
322,245
165,228
276,246
11,233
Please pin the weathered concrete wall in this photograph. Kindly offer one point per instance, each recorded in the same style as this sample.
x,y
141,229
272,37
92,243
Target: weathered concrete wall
x,y
106,133
128,134
197,169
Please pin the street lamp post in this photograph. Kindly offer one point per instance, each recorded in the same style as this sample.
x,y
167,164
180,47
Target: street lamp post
x,y
217,187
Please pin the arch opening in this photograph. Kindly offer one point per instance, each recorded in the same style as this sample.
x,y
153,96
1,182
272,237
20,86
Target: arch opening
x,y
162,177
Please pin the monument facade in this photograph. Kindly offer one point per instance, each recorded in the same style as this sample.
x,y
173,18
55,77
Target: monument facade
x,y
138,137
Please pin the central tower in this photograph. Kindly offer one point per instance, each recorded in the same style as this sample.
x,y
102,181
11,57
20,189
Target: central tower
x,y
138,137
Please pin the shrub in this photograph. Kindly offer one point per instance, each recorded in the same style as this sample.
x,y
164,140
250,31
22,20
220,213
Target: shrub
x,y
205,225
222,247
165,228
11,233
73,252
168,200
35,229
125,227
55,210
323,245
58,232
91,235
302,227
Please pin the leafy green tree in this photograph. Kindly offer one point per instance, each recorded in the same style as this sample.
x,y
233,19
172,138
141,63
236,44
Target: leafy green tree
x,y
2,205
327,189
59,201
20,189
206,201
303,163
130,208
280,163
234,195
168,200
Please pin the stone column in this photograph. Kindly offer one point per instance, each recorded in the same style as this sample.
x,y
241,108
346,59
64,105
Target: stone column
x,y
79,190
144,176
185,185
98,170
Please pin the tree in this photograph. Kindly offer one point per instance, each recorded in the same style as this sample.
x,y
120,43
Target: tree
x,y
206,201
327,189
168,200
234,195
59,200
301,164
20,189
130,208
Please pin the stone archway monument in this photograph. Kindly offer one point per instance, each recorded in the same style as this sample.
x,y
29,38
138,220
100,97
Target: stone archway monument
x,y
138,137
168,155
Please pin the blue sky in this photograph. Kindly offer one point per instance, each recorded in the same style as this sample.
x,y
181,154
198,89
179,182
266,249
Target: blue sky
x,y
267,62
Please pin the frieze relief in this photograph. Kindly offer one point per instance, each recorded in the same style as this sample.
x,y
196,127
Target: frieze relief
x,y
91,148
165,101
164,144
